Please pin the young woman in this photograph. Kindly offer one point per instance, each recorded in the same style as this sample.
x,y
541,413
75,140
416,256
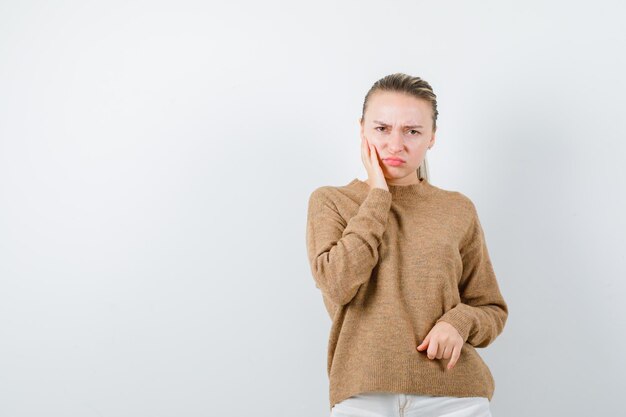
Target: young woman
x,y
404,272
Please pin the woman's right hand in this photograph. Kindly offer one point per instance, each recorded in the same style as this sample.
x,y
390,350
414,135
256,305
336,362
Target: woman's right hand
x,y
369,156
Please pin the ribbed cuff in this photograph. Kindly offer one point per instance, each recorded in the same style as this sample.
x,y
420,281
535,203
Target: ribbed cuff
x,y
378,201
460,317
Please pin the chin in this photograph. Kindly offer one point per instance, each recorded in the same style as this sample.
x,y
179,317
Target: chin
x,y
399,173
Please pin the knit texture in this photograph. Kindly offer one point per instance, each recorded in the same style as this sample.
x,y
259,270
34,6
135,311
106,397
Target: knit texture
x,y
390,265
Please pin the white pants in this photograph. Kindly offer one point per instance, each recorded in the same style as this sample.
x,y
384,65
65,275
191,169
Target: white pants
x,y
384,404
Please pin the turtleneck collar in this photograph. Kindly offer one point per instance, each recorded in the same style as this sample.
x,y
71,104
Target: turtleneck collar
x,y
422,188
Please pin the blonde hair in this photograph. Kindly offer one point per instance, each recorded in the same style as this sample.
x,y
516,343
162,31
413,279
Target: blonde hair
x,y
415,86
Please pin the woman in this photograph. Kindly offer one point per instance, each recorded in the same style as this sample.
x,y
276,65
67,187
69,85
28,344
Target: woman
x,y
404,271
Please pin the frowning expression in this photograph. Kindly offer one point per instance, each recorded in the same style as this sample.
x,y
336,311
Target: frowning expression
x,y
400,126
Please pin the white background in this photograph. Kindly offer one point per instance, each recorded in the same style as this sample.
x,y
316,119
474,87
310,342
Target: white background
x,y
155,164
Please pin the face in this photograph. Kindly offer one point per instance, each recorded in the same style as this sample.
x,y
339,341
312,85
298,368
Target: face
x,y
399,126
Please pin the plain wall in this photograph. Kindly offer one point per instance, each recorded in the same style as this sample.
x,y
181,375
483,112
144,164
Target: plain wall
x,y
155,164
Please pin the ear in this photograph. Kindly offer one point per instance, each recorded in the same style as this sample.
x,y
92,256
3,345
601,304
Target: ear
x,y
432,140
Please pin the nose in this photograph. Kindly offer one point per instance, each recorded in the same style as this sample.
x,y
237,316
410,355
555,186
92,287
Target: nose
x,y
396,142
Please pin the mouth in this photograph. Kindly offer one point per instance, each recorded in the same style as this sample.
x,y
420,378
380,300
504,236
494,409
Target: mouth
x,y
394,162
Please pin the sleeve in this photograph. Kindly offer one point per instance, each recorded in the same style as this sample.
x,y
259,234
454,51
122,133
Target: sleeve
x,y
482,313
343,254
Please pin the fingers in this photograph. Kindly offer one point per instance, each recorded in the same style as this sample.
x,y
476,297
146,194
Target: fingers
x,y
423,344
365,153
441,351
369,156
438,350
433,347
446,351
456,353
441,345
373,155
375,174
367,147
374,159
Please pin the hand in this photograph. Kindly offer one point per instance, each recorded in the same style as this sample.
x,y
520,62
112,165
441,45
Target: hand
x,y
369,156
443,341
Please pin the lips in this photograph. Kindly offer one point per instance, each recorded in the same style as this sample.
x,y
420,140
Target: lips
x,y
394,162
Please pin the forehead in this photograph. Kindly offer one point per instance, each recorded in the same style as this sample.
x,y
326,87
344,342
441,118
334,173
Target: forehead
x,y
398,108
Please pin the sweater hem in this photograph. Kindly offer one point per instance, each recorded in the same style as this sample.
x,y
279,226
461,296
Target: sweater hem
x,y
416,375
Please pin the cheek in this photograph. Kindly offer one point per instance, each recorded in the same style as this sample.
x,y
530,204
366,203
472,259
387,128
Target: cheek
x,y
417,155
375,137
377,142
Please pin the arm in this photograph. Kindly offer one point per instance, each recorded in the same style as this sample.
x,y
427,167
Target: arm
x,y
481,315
342,255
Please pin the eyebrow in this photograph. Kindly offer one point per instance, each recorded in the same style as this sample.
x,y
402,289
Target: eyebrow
x,y
385,124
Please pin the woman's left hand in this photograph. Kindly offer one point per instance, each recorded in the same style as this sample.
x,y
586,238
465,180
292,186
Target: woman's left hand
x,y
443,341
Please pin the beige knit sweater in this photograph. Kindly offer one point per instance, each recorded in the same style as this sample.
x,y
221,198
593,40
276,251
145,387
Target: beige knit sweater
x,y
389,265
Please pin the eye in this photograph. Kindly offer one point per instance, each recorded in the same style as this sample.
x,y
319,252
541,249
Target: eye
x,y
379,127
413,130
